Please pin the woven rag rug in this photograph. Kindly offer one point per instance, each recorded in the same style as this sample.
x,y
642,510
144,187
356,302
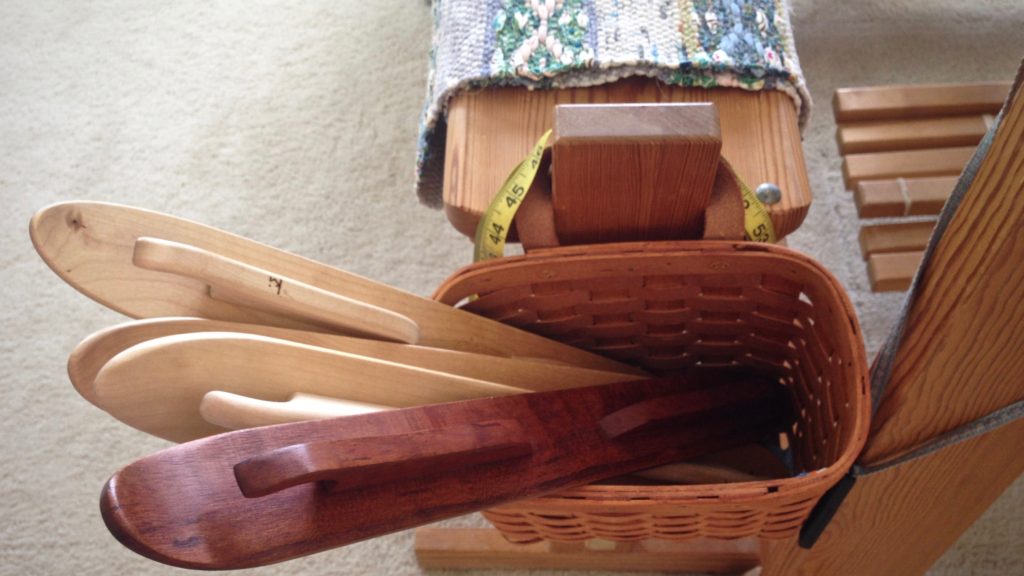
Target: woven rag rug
x,y
540,44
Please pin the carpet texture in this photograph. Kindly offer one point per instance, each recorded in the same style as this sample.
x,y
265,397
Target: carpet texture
x,y
296,126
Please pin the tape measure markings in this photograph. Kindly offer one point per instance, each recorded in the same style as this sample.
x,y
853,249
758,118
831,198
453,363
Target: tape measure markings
x,y
493,228
494,225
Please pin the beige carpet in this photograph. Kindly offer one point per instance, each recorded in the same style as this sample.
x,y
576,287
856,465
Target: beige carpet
x,y
296,125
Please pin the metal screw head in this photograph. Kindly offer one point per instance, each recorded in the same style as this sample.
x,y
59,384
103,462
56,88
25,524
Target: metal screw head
x,y
768,193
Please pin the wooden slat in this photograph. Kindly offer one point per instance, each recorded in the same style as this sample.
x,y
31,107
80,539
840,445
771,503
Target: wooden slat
x,y
490,131
905,164
895,135
889,102
481,548
893,271
909,197
900,237
637,172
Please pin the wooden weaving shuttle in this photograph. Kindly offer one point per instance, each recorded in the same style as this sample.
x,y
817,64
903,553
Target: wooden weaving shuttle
x,y
93,246
158,386
99,348
323,484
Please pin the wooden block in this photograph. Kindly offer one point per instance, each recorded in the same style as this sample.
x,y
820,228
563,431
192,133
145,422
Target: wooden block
x,y
490,131
624,172
901,237
482,548
894,135
905,164
893,271
917,101
903,196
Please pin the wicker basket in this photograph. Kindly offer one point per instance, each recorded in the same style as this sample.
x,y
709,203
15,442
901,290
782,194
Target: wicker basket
x,y
670,305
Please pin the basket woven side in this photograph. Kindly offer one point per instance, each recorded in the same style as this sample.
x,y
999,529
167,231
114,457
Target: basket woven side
x,y
668,307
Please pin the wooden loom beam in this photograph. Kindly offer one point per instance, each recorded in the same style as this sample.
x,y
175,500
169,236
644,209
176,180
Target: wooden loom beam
x,y
961,357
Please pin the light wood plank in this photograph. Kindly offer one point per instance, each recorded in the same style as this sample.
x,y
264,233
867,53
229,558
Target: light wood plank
x,y
490,131
895,135
909,197
916,101
893,271
480,548
905,164
900,237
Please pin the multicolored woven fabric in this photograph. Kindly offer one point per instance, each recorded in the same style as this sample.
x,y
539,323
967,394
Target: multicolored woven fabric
x,y
560,43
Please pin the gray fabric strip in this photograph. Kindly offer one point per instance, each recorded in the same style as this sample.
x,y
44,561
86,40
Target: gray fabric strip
x,y
983,425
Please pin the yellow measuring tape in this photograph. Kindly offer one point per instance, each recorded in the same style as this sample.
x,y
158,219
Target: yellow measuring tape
x,y
493,227
757,223
492,230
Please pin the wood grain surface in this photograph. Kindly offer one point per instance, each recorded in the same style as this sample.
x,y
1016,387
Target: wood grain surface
x,y
893,271
633,171
91,245
157,386
897,237
961,357
919,100
490,131
905,164
182,506
909,197
888,136
95,351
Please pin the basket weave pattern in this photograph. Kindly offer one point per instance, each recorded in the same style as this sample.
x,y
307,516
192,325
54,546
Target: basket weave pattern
x,y
667,307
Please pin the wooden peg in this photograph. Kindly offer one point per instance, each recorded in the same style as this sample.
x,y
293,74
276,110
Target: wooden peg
x,y
633,172
357,462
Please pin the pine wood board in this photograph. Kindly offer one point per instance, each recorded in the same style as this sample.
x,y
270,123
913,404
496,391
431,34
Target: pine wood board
x,y
942,132
91,246
484,548
490,131
919,100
